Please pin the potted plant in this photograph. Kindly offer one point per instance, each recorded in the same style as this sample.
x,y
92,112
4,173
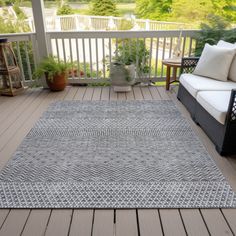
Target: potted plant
x,y
55,71
129,62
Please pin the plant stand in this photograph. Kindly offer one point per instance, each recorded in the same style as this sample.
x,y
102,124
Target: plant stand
x,y
123,89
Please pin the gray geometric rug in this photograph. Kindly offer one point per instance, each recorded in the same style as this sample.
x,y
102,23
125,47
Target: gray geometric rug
x,y
105,154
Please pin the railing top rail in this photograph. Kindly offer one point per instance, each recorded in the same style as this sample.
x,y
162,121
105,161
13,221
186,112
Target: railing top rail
x,y
121,34
18,36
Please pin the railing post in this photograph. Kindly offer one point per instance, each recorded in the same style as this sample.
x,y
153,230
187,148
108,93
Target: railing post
x,y
147,25
40,30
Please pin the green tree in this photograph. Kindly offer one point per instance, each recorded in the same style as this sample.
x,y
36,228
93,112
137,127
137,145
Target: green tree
x,y
225,9
103,8
195,11
153,9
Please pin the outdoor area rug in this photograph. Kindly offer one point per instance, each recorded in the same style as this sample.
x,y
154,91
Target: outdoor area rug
x,y
113,154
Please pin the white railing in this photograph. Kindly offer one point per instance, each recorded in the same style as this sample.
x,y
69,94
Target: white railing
x,y
25,47
87,22
91,52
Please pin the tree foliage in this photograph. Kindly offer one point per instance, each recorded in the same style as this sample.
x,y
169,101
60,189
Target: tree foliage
x,y
212,32
185,10
103,8
153,9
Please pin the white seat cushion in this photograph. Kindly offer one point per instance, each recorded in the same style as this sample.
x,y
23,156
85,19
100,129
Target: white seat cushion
x,y
215,102
215,62
232,70
195,83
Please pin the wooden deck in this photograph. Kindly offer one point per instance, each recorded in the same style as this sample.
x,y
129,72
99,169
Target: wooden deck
x,y
18,115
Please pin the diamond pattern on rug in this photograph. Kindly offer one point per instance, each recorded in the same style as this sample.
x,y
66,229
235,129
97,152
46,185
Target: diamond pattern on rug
x,y
108,154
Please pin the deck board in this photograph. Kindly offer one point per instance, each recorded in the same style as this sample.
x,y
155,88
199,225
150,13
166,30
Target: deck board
x,y
126,223
215,222
15,222
21,113
193,222
37,222
149,222
59,222
103,223
171,222
82,222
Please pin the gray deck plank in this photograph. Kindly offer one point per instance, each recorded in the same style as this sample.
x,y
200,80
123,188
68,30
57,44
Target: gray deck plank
x,y
72,93
121,96
3,215
230,216
37,222
193,222
113,95
137,93
149,222
81,223
216,223
97,94
9,133
171,222
130,95
15,222
155,93
80,93
105,93
146,93
11,103
59,222
17,112
126,223
163,93
89,94
103,223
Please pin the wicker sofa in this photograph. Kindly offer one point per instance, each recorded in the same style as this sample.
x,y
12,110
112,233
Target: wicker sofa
x,y
212,105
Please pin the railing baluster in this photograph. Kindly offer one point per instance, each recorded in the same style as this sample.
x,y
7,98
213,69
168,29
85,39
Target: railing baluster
x,y
110,52
190,47
27,61
163,54
57,48
97,57
183,49
137,59
90,58
20,61
63,48
150,58
104,58
156,63
171,43
77,56
84,58
71,52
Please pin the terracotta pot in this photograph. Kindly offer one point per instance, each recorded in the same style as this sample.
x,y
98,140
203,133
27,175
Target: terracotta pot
x,y
58,83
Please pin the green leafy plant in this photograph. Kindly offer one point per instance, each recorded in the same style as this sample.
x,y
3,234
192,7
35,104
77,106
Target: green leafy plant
x,y
132,51
51,66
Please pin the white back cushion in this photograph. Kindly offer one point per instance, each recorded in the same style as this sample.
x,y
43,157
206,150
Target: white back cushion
x,y
215,62
232,70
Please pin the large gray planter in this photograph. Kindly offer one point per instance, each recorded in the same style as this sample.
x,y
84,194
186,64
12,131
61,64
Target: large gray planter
x,y
122,76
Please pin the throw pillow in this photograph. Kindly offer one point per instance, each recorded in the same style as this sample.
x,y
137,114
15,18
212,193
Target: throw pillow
x,y
232,70
215,62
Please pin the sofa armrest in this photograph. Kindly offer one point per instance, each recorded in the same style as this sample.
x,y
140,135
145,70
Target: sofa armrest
x,y
231,115
188,64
